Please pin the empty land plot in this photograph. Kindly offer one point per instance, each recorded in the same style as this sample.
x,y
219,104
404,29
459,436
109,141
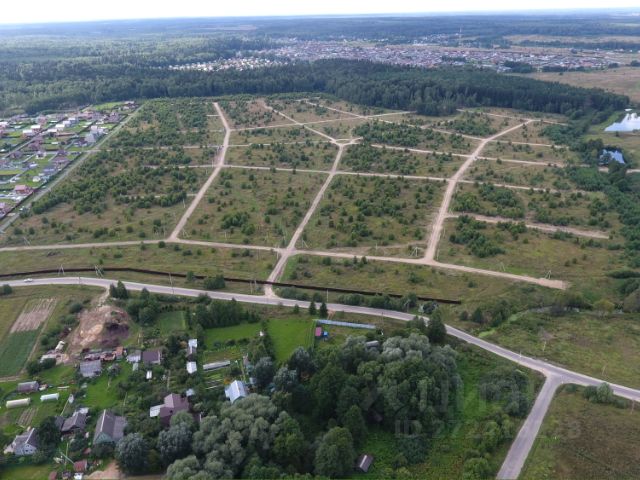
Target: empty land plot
x,y
515,249
215,129
399,278
112,197
366,158
537,176
201,260
254,206
404,135
519,115
287,134
477,124
532,153
580,439
343,128
590,210
167,123
306,112
347,107
393,213
33,315
245,113
309,155
530,133
584,341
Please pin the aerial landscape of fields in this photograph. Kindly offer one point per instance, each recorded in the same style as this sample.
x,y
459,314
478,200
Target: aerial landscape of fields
x,y
398,246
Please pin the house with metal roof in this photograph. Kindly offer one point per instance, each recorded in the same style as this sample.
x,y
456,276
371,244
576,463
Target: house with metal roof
x,y
24,444
75,423
236,390
109,428
90,368
152,356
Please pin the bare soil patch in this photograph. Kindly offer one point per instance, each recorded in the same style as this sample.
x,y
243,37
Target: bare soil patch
x,y
103,326
33,315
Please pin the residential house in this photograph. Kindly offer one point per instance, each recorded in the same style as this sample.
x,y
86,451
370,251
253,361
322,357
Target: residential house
x,y
91,368
173,403
110,428
152,357
24,444
75,423
134,357
236,390
28,387
23,190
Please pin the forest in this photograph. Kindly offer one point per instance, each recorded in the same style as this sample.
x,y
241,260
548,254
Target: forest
x,y
431,92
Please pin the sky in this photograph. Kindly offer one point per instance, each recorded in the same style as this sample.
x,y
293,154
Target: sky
x,y
39,11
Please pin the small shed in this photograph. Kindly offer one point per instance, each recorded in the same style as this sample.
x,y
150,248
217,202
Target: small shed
x,y
318,332
28,387
364,462
192,367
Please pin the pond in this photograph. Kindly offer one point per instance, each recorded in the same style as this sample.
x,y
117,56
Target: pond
x,y
629,123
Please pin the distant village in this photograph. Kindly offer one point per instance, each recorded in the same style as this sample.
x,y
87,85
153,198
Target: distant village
x,y
416,55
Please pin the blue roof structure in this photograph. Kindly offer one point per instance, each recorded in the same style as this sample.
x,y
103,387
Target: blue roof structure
x,y
347,324
615,155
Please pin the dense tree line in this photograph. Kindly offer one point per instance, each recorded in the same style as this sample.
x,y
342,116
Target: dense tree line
x,y
433,92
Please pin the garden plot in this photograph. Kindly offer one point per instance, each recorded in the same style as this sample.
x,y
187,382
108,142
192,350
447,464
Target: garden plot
x,y
588,210
254,207
403,135
308,155
286,134
525,175
389,214
368,159
507,150
245,113
33,315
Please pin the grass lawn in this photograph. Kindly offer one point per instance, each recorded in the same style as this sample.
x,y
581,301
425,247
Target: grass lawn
x,y
25,472
170,322
254,206
102,392
392,214
234,332
289,334
536,253
313,156
584,440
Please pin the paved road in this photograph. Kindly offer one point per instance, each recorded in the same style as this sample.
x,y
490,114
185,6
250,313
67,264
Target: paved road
x,y
203,190
521,446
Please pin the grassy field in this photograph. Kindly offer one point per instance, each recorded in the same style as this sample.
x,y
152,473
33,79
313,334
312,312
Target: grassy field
x,y
170,322
339,128
531,133
509,173
535,253
584,440
305,112
623,80
234,332
365,158
532,153
15,350
288,334
256,207
385,277
391,213
314,156
250,112
601,346
284,134
201,260
25,472
588,210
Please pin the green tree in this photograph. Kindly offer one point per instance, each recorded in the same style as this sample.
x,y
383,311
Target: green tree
x,y
436,330
335,456
263,371
131,453
175,442
312,308
354,422
323,312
